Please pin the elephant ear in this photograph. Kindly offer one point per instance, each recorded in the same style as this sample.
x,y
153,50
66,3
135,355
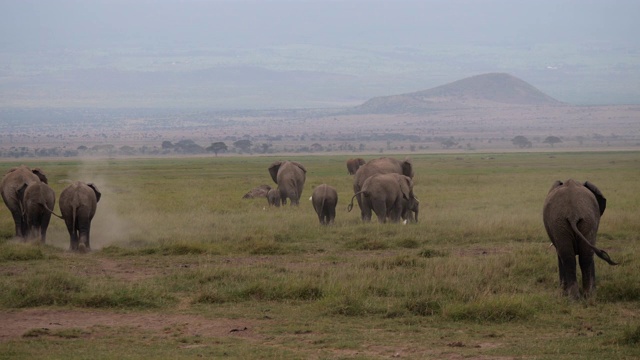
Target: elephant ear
x,y
40,175
273,170
602,202
555,184
407,168
299,165
406,186
95,190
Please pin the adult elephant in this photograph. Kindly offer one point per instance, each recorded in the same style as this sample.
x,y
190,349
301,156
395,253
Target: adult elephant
x,y
383,165
354,164
571,216
387,195
38,200
290,177
78,203
325,200
12,182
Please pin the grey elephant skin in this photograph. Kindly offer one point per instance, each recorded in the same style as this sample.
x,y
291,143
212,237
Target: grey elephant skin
x,y
259,191
273,197
290,177
383,165
410,209
385,194
78,203
354,164
571,216
12,182
38,200
325,199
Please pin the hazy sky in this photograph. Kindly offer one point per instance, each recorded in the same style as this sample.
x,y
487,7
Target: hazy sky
x,y
126,52
86,24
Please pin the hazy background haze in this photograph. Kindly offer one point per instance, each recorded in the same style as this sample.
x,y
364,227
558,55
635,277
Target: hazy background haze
x,y
296,54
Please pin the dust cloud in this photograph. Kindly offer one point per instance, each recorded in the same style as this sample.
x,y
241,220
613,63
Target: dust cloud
x,y
109,225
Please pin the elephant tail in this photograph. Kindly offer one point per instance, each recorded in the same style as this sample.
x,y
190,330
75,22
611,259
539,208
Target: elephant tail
x,y
601,253
51,211
350,207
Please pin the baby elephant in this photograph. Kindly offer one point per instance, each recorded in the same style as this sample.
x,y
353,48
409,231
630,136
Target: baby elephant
x,y
273,197
78,203
410,210
324,200
38,200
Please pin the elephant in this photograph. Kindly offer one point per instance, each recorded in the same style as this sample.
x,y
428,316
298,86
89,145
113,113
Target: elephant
x,y
273,197
78,203
410,209
259,191
12,182
571,216
324,200
354,164
38,200
290,177
383,165
386,195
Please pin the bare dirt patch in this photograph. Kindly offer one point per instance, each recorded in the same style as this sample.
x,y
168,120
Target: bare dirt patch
x,y
15,324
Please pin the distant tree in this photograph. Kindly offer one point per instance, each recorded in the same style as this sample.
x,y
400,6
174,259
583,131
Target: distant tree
x,y
188,146
244,145
449,143
127,150
552,140
217,147
265,147
521,142
315,147
167,144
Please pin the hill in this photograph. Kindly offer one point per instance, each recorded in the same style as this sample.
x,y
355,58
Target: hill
x,y
484,90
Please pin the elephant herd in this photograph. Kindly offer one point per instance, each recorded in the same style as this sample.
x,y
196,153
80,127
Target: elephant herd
x,y
571,211
30,200
384,186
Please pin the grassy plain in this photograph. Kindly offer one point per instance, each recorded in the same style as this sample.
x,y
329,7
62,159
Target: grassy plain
x,y
183,266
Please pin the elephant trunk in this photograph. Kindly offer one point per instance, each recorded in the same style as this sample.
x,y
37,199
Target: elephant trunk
x,y
601,253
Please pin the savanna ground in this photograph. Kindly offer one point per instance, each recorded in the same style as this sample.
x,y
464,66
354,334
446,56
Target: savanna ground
x,y
182,267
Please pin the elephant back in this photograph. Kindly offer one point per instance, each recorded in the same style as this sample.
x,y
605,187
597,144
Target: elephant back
x,y
15,178
573,200
79,194
383,165
41,193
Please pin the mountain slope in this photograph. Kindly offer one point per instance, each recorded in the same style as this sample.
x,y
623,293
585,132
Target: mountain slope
x,y
492,89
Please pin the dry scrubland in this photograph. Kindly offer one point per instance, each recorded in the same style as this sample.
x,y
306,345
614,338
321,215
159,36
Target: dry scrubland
x,y
182,267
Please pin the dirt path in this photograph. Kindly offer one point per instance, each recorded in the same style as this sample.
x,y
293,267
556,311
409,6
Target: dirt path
x,y
15,324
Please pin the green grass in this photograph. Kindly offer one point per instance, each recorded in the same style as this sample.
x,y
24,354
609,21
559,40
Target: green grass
x,y
475,277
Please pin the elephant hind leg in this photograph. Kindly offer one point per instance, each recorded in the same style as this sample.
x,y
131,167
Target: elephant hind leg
x,y
20,224
588,269
568,278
